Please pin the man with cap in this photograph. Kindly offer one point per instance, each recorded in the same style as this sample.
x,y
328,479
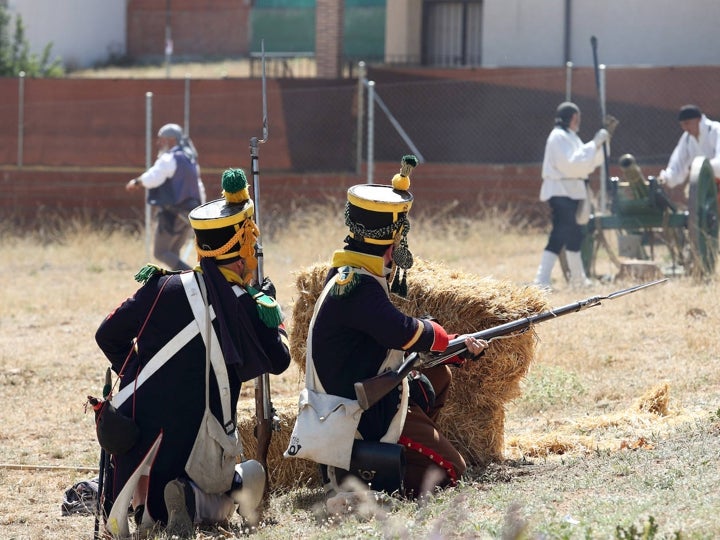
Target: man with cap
x,y
174,187
357,332
566,165
156,343
701,137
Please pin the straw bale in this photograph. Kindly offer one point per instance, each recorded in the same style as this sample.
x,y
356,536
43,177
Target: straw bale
x,y
285,473
474,416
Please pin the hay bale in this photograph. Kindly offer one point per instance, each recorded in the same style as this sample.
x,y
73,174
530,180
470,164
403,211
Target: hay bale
x,y
285,473
474,416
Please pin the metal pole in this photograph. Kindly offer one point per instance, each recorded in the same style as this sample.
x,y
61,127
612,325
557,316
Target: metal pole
x,y
168,40
405,137
568,81
601,67
370,130
603,170
360,116
21,116
187,105
148,163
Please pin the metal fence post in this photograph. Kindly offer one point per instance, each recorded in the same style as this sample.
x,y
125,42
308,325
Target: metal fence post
x,y
360,116
168,40
568,81
148,163
187,105
370,131
21,117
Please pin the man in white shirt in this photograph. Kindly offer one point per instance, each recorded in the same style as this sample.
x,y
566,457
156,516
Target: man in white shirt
x,y
566,165
701,137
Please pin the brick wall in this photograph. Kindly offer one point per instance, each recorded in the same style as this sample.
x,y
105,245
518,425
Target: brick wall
x,y
329,38
438,189
83,139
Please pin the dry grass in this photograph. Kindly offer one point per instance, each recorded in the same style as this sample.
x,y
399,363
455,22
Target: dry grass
x,y
195,70
616,422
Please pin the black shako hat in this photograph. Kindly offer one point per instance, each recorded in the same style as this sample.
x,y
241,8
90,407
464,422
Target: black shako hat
x,y
224,228
376,213
377,216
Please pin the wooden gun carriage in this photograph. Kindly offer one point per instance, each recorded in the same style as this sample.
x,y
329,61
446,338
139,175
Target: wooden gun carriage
x,y
641,210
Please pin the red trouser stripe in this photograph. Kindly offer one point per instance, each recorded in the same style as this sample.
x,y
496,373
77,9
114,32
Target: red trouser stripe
x,y
431,454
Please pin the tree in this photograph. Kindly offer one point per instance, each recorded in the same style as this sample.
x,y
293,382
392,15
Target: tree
x,y
15,55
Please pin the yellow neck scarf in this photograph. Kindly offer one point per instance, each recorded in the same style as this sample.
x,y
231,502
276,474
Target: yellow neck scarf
x,y
371,263
231,276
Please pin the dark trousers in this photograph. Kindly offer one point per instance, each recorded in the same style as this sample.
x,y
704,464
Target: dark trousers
x,y
565,233
171,234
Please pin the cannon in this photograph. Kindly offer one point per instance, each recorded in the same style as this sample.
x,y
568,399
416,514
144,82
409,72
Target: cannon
x,y
644,217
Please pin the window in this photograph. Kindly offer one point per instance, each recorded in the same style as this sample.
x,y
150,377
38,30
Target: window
x,y
452,32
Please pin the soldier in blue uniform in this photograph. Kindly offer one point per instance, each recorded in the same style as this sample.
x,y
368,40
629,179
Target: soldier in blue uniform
x,y
357,332
155,342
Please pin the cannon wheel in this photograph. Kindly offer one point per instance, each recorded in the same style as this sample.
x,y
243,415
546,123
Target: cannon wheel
x,y
703,216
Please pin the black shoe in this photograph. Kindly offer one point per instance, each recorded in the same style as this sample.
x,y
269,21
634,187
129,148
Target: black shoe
x,y
180,504
137,514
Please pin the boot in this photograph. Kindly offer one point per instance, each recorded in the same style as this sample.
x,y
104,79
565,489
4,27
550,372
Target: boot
x,y
248,489
180,504
577,269
544,271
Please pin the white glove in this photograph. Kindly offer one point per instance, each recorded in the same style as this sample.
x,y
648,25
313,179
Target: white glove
x,y
601,137
662,177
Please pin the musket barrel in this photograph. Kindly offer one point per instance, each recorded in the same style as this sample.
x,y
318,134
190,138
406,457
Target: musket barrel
x,y
370,391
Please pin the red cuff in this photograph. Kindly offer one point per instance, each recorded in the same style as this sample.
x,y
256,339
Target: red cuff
x,y
440,338
456,359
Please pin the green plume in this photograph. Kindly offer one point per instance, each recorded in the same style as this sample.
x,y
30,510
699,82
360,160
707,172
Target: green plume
x,y
410,160
234,180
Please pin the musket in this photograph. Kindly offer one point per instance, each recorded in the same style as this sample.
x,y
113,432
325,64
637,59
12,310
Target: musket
x,y
267,420
102,468
370,391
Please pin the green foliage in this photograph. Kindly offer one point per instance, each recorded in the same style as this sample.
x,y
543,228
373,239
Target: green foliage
x,y
644,532
547,386
15,55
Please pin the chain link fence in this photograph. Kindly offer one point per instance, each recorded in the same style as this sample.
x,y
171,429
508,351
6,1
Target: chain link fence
x,y
73,143
485,116
505,117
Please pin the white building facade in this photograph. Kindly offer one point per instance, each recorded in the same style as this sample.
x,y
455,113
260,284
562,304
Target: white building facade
x,y
82,32
549,33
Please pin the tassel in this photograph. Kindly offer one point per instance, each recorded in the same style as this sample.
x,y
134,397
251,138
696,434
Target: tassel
x,y
268,309
403,290
395,287
147,272
399,284
345,282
